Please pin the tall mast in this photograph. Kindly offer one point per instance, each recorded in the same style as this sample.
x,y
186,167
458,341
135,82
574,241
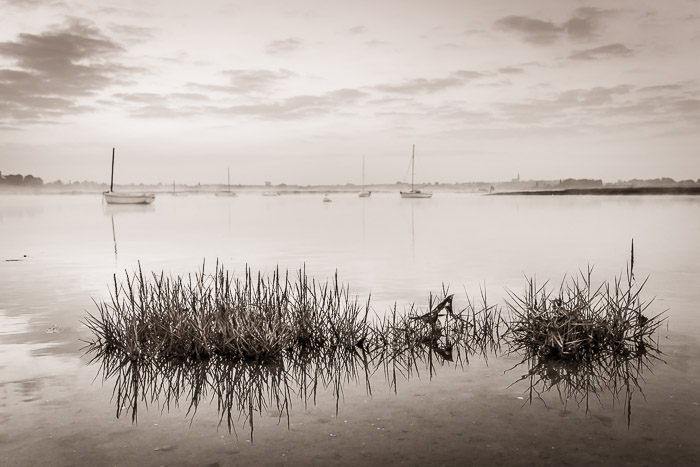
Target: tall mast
x,y
111,179
413,164
363,174
229,178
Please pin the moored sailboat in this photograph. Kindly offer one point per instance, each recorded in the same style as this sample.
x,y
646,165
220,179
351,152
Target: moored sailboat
x,y
363,193
414,193
228,192
125,198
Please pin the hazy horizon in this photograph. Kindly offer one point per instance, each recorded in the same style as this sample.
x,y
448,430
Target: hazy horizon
x,y
299,92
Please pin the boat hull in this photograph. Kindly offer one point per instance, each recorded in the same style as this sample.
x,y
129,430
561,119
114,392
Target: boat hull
x,y
225,193
129,198
415,194
365,194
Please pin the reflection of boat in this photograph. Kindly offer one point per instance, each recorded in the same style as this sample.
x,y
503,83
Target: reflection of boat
x,y
228,192
414,193
326,199
125,198
363,193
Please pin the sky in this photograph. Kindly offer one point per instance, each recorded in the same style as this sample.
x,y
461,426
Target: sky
x,y
300,91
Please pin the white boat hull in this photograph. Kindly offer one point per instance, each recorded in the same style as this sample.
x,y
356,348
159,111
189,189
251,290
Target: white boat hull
x,y
129,198
415,194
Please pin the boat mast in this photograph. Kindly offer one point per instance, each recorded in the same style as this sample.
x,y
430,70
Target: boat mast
x,y
111,179
229,178
363,174
413,165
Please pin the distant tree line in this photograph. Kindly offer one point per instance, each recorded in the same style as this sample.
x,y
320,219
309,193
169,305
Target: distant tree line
x,y
20,180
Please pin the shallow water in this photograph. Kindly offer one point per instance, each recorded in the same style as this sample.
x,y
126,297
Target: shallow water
x,y
397,250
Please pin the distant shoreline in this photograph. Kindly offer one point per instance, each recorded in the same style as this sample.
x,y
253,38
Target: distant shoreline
x,y
642,190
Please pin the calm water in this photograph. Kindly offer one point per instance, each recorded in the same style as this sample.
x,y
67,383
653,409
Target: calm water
x,y
51,410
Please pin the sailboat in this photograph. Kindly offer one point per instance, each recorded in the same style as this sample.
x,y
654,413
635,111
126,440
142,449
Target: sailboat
x,y
363,193
228,192
414,193
125,198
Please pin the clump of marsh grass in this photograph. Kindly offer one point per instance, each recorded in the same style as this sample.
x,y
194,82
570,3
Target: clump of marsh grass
x,y
251,342
584,339
580,320
252,318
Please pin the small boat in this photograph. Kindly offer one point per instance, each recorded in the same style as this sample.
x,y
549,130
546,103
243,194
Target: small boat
x,y
228,192
125,198
326,199
414,193
363,193
129,198
271,193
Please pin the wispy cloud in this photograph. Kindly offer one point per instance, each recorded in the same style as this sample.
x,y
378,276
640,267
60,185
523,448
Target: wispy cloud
x,y
606,51
247,81
51,70
287,108
431,85
283,46
586,22
583,25
133,34
153,98
355,30
532,30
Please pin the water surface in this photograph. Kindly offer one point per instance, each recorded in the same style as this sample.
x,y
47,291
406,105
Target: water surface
x,y
398,250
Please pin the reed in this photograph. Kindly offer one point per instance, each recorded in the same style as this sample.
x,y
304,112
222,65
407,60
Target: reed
x,y
252,341
580,320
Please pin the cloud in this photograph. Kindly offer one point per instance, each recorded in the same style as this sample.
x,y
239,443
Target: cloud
x,y
153,98
283,46
242,81
357,30
53,69
566,105
582,26
585,23
29,3
301,106
603,52
133,34
511,70
289,108
431,85
662,88
532,30
257,80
